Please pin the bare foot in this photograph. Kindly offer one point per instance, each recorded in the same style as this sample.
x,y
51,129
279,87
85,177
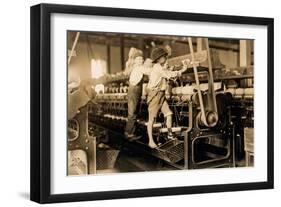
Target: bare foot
x,y
152,145
171,138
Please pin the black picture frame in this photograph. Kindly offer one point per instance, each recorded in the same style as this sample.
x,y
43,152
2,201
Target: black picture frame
x,y
41,95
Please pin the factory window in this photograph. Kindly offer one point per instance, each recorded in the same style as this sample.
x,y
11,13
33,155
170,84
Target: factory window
x,y
98,68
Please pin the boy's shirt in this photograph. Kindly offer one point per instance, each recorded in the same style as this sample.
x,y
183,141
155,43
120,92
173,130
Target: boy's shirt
x,y
137,74
158,77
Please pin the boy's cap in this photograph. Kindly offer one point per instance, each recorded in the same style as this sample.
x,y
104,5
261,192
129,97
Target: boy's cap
x,y
157,53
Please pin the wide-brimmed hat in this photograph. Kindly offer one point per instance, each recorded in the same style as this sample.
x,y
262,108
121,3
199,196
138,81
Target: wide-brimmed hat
x,y
157,53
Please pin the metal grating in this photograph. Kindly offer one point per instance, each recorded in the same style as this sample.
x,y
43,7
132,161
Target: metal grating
x,y
173,151
106,159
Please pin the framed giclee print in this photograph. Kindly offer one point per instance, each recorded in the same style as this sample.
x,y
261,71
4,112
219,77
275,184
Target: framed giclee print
x,y
131,103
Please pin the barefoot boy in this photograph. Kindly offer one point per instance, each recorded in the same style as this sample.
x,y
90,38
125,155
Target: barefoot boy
x,y
156,91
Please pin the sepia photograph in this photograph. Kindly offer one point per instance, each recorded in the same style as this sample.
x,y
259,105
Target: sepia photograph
x,y
154,102
129,103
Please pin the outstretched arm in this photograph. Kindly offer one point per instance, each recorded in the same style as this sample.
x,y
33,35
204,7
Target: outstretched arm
x,y
184,67
172,74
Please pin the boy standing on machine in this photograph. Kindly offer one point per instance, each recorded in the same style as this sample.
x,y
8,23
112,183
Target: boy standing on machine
x,y
156,91
139,68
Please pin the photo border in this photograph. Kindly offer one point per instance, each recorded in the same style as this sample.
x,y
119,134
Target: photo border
x,y
40,184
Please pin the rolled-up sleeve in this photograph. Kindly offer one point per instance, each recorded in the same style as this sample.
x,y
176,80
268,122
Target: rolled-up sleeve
x,y
145,70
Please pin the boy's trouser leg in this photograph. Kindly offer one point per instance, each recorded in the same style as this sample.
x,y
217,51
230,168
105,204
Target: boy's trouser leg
x,y
132,117
133,102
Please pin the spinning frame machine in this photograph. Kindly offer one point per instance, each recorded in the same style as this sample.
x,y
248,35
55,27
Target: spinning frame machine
x,y
211,107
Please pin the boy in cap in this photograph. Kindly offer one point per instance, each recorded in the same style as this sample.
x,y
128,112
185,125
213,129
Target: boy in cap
x,y
156,91
137,70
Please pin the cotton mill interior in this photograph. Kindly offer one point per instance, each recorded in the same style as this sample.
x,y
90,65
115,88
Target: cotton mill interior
x,y
143,102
